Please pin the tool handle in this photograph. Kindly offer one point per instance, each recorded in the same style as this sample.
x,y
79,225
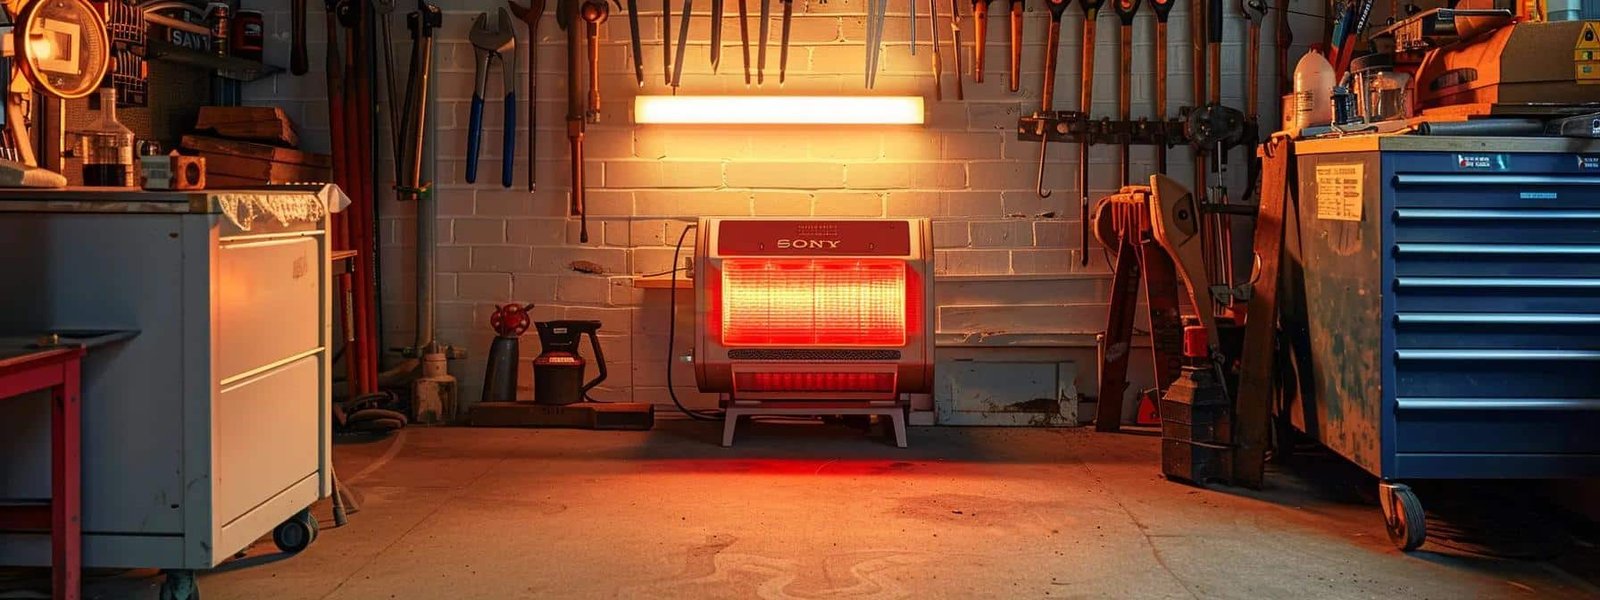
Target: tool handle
x,y
1086,100
1016,45
1052,44
508,146
593,32
474,133
980,37
599,357
298,62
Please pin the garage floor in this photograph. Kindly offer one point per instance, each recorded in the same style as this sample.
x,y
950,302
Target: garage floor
x,y
812,511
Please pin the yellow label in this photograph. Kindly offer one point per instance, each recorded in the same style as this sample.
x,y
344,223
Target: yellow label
x,y
1589,38
1339,191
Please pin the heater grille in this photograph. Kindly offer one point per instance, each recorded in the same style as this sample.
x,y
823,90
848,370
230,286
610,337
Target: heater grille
x,y
814,302
805,354
876,383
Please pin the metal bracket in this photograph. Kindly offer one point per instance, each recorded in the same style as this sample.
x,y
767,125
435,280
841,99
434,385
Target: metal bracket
x,y
1076,127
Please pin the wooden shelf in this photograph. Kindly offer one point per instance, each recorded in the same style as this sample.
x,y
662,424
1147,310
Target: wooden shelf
x,y
662,282
226,67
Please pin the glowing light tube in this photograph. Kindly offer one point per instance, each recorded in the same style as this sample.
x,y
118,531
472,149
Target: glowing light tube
x,y
779,110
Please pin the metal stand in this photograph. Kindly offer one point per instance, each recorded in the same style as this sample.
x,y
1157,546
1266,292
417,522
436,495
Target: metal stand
x,y
895,411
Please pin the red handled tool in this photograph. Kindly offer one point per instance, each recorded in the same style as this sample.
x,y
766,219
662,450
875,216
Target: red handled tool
x,y
1163,8
1126,10
1091,13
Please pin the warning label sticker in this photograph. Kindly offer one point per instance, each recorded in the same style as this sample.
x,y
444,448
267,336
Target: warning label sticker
x,y
1339,191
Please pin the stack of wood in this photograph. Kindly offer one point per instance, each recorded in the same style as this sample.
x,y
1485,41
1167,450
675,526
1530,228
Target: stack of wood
x,y
247,146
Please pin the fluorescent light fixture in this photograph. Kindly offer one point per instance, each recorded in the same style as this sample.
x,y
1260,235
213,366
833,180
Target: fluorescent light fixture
x,y
785,110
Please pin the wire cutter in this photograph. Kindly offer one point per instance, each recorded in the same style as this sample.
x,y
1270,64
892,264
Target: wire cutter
x,y
489,44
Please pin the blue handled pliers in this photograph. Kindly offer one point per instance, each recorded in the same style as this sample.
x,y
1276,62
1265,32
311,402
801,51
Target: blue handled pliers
x,y
489,44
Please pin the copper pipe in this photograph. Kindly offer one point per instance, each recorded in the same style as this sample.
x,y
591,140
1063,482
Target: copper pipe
x,y
576,118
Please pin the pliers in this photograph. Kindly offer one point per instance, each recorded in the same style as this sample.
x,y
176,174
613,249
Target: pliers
x,y
490,43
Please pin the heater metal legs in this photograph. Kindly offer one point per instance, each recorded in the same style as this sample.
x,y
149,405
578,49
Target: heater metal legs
x,y
896,414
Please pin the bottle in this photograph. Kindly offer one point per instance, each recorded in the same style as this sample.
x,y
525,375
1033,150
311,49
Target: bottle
x,y
1313,92
218,15
106,147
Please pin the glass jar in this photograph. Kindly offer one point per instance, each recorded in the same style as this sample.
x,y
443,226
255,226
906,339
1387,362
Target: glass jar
x,y
106,147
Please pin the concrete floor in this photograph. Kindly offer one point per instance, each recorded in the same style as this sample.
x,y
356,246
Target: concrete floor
x,y
811,511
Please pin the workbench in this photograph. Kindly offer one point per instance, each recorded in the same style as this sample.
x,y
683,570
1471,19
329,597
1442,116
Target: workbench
x,y
1441,297
210,428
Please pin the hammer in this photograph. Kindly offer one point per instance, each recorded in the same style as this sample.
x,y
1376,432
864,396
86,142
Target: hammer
x,y
530,14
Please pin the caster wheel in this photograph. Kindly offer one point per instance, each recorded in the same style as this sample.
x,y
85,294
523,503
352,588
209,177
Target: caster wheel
x,y
297,533
1402,514
180,585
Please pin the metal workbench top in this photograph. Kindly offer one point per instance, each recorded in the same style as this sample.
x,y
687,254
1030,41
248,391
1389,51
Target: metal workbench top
x,y
1439,143
104,200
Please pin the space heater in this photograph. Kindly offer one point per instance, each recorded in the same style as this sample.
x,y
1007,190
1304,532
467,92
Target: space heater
x,y
827,316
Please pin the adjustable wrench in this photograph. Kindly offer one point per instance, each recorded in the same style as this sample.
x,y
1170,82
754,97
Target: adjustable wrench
x,y
489,44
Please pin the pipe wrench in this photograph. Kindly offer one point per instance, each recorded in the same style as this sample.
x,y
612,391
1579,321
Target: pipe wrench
x,y
488,44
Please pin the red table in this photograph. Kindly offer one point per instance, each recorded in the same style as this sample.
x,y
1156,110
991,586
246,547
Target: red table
x,y
56,369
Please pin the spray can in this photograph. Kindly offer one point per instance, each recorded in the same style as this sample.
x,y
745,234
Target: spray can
x,y
220,16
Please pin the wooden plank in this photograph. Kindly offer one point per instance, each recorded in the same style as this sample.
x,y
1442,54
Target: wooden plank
x,y
259,123
211,145
262,171
1253,407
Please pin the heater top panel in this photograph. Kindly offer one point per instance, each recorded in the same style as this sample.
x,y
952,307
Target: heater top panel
x,y
763,237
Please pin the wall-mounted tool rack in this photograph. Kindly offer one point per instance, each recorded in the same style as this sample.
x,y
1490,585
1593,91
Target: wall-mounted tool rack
x,y
1204,127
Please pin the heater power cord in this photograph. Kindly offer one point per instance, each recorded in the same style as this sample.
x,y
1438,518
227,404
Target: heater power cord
x,y
672,333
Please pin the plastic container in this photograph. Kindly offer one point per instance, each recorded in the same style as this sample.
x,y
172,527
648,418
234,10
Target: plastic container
x,y
1381,93
106,147
1313,93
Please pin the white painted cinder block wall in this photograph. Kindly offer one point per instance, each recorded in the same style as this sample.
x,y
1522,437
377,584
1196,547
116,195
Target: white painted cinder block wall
x,y
964,169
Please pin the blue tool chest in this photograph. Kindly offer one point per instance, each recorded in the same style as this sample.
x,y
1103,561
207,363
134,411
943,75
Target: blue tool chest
x,y
1442,305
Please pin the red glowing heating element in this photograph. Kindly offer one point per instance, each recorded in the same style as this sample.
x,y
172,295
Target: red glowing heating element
x,y
813,302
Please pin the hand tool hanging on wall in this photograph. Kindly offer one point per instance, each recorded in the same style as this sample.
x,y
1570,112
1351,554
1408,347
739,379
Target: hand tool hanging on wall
x,y
530,16
422,24
490,44
938,63
716,35
955,45
298,64
593,13
1126,10
1091,13
382,9
333,68
683,44
980,36
1016,44
744,37
763,28
1285,37
666,40
1047,94
783,40
877,13
576,20
358,161
635,41
1163,8
1254,11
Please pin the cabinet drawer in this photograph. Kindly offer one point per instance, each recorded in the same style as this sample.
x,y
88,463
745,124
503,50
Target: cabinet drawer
x,y
266,435
268,303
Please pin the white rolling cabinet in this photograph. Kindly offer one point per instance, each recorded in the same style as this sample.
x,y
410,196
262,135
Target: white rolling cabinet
x,y
209,428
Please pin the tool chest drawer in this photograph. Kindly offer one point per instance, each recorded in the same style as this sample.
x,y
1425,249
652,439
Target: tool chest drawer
x,y
266,432
269,308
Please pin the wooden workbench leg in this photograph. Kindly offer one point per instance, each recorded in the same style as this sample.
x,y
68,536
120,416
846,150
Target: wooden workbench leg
x,y
66,525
